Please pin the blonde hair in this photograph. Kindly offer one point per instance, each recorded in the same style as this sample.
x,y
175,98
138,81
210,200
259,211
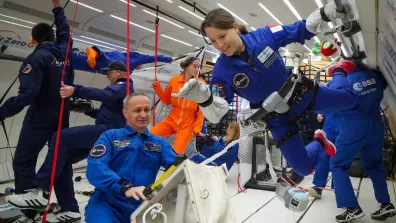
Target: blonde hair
x,y
233,134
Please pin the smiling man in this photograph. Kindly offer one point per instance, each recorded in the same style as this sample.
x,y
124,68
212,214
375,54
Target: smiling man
x,y
125,161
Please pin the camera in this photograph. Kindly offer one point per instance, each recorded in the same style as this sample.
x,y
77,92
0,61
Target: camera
x,y
80,105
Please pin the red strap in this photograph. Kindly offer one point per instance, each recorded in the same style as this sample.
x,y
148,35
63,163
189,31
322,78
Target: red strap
x,y
128,91
155,62
60,120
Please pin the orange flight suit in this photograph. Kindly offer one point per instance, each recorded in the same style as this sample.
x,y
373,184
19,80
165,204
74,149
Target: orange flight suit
x,y
184,118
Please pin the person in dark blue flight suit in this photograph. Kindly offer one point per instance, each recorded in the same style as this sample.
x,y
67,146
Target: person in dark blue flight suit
x,y
332,123
362,131
96,59
75,144
217,145
123,162
251,67
40,78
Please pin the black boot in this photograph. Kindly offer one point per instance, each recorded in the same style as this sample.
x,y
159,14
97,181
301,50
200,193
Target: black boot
x,y
315,192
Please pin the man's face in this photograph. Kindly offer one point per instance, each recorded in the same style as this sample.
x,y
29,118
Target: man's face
x,y
113,75
138,112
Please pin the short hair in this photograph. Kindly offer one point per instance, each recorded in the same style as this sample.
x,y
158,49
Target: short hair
x,y
43,32
127,98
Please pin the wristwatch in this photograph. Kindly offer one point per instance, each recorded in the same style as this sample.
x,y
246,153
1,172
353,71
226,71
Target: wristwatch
x,y
126,187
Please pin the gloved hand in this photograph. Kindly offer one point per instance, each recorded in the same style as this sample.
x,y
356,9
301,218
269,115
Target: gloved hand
x,y
315,21
194,90
331,11
345,65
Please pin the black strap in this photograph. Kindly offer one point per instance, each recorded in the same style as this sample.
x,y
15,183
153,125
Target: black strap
x,y
323,15
207,102
290,132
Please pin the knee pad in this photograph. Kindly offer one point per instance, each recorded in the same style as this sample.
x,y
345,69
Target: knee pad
x,y
293,198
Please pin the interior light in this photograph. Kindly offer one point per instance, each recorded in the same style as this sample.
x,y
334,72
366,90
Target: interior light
x,y
170,1
253,28
18,19
307,48
319,3
13,23
176,40
292,9
199,17
91,43
116,17
232,13
269,13
103,42
129,3
87,6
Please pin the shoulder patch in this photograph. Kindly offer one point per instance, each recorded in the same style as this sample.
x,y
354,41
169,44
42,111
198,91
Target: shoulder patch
x,y
277,31
98,151
152,147
218,90
27,69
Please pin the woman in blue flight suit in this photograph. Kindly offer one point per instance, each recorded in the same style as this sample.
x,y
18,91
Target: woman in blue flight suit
x,y
251,67
218,144
362,131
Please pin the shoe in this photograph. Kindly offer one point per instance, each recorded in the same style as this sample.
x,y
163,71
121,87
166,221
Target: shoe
x,y
35,199
350,214
64,217
342,65
24,219
385,211
328,145
91,54
315,192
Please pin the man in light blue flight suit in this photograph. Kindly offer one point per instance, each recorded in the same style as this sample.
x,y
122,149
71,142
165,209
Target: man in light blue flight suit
x,y
40,78
362,131
75,144
332,123
123,162
251,67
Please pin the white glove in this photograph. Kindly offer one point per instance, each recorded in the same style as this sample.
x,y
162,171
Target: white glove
x,y
194,90
314,20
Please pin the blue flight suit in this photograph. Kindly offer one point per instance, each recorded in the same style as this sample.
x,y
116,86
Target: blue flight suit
x,y
260,70
120,156
362,131
229,158
332,123
135,59
40,79
76,142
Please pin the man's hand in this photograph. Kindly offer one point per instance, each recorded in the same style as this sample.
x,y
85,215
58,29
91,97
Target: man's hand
x,y
194,90
56,3
66,91
136,192
320,118
215,138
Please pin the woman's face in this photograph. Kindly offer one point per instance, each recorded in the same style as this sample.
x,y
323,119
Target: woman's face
x,y
228,130
226,41
193,68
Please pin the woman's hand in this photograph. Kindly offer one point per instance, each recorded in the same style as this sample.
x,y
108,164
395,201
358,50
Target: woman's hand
x,y
215,138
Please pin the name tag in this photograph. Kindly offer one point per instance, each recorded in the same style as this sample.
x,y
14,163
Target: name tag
x,y
152,147
265,54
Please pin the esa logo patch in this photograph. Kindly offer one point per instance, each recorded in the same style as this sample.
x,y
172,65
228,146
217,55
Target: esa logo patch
x,y
241,80
359,86
152,147
98,150
27,69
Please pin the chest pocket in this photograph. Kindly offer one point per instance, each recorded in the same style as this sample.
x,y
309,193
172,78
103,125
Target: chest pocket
x,y
149,164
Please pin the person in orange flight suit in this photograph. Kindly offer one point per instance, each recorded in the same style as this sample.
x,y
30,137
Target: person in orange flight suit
x,y
185,119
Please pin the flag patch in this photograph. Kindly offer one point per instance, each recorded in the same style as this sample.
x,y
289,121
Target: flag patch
x,y
277,31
